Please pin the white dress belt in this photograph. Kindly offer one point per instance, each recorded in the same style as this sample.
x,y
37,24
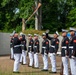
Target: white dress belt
x,y
52,46
64,47
70,46
17,45
44,47
29,46
35,46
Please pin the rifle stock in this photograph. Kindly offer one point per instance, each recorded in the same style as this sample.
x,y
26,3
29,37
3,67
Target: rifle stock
x,y
61,71
70,72
33,62
39,5
28,61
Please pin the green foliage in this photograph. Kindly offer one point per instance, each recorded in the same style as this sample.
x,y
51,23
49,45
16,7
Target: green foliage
x,y
18,28
8,19
30,28
72,18
56,14
25,7
12,12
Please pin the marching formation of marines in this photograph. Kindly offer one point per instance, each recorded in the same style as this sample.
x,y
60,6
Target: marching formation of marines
x,y
50,46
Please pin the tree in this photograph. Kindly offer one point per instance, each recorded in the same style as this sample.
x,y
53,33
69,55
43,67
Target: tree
x,y
38,15
9,19
71,18
53,15
50,15
25,6
12,11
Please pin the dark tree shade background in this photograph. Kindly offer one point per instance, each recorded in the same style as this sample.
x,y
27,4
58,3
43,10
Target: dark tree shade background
x,y
56,14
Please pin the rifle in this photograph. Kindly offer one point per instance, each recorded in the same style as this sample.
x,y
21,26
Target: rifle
x,y
61,71
28,62
39,5
70,72
28,54
33,63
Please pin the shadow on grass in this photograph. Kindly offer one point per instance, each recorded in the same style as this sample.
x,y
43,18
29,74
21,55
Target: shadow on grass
x,y
38,73
34,72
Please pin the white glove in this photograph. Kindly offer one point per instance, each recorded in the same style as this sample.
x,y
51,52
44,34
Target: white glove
x,y
49,55
47,31
36,53
30,51
66,56
45,53
54,54
73,57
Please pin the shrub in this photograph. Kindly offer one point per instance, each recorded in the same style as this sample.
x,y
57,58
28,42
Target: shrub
x,y
32,31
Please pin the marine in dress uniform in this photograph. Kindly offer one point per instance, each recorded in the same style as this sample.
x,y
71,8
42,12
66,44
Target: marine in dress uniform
x,y
17,52
53,49
23,47
36,51
11,46
44,52
72,51
65,51
30,51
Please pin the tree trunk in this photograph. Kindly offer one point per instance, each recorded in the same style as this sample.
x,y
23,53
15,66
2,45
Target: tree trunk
x,y
36,16
23,24
40,16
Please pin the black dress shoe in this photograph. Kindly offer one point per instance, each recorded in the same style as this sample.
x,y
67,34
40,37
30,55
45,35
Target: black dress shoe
x,y
52,72
12,58
36,67
20,62
44,70
33,67
29,66
16,72
24,64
